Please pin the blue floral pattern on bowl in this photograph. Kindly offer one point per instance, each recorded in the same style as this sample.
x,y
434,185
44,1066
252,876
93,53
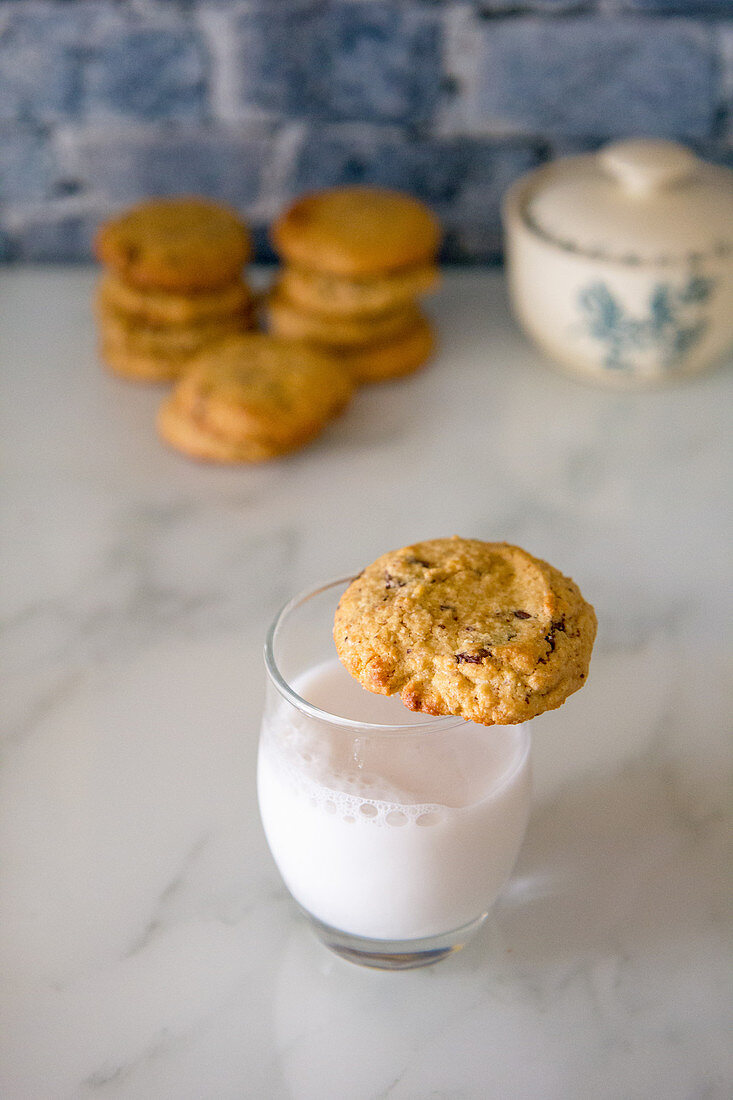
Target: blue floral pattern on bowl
x,y
671,326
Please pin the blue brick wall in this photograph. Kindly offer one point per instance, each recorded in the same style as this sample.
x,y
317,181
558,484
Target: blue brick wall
x,y
103,102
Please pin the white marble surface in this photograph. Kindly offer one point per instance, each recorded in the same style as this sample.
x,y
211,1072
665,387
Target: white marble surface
x,y
147,947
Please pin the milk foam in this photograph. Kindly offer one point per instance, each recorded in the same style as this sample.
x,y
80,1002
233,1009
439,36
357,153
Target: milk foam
x,y
346,791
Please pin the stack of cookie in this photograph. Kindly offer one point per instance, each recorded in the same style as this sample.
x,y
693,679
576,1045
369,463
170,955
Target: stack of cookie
x,y
251,398
172,286
356,261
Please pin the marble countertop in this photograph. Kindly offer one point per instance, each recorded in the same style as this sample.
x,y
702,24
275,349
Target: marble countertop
x,y
147,947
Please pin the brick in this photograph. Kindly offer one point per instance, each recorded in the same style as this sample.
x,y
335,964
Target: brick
x,y
601,78
715,151
268,59
95,58
53,232
147,72
490,8
693,8
473,216
462,180
41,72
725,44
573,146
372,61
126,165
26,164
7,254
383,63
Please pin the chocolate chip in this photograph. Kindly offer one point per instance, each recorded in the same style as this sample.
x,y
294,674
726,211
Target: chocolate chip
x,y
522,615
471,658
555,626
393,582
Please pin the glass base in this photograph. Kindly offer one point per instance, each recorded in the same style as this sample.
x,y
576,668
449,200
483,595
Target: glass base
x,y
393,954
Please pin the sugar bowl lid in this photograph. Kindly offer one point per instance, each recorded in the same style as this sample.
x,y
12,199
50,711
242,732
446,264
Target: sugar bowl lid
x,y
636,201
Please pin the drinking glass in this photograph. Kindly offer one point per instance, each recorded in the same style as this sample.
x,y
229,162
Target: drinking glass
x,y
393,831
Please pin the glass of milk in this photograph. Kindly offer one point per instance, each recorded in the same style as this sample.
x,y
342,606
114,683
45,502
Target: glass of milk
x,y
393,831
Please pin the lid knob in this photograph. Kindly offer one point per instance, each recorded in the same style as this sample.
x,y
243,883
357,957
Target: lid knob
x,y
642,165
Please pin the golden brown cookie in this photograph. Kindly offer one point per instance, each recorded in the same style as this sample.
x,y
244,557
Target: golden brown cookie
x,y
357,231
285,318
158,352
168,339
178,428
481,630
336,295
159,307
178,244
402,355
137,365
253,397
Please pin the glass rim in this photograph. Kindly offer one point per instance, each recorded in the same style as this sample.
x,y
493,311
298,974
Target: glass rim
x,y
432,724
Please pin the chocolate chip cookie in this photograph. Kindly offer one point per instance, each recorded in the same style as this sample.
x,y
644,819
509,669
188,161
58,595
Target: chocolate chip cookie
x,y
357,231
177,244
251,398
481,630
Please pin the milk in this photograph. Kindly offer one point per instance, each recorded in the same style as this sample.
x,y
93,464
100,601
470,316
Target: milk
x,y
396,835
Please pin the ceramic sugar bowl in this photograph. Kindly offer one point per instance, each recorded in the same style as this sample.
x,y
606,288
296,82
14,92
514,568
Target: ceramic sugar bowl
x,y
620,263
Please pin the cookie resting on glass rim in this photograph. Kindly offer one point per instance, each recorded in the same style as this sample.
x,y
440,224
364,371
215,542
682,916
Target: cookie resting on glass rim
x,y
481,630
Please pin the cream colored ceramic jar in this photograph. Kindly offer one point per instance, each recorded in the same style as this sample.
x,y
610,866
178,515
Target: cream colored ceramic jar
x,y
620,263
